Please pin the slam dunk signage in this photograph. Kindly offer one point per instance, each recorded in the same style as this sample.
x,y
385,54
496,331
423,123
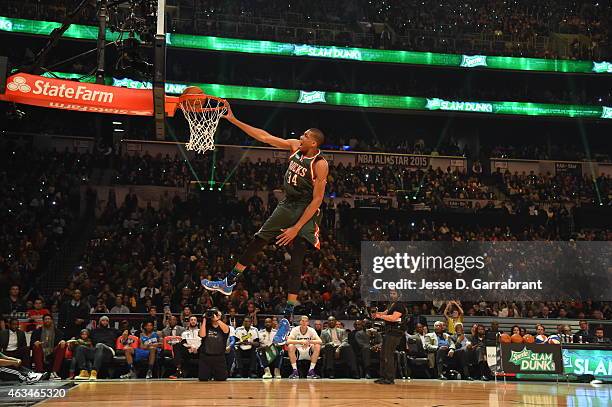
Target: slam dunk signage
x,y
531,358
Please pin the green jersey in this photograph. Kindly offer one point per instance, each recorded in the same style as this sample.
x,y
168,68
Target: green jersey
x,y
299,178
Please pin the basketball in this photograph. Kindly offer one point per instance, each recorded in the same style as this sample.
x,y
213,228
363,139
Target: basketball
x,y
528,338
504,338
516,338
193,90
540,339
554,339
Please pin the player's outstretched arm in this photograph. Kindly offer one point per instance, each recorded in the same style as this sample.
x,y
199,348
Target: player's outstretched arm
x,y
262,135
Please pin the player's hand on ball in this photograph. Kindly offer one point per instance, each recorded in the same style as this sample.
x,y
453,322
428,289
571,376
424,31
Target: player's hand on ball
x,y
287,236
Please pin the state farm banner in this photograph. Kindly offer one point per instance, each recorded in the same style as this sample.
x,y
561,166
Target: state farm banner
x,y
83,97
532,358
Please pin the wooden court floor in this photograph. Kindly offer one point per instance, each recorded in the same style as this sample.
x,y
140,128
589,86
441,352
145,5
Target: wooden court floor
x,y
331,393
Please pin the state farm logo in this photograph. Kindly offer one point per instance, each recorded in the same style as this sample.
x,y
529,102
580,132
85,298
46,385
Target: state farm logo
x,y
19,84
62,90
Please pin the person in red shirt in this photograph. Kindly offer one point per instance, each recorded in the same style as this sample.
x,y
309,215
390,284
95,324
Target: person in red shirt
x,y
37,313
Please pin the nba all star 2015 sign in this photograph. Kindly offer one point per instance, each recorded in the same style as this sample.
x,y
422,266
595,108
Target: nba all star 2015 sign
x,y
531,358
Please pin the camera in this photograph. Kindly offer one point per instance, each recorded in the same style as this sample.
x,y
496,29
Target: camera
x,y
209,314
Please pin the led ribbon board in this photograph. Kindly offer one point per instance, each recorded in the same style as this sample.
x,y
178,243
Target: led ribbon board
x,y
300,50
361,100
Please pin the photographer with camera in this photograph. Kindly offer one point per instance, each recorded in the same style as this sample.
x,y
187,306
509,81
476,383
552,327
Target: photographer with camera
x,y
393,316
214,333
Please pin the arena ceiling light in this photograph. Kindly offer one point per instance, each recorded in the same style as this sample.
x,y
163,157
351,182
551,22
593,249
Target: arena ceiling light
x,y
314,51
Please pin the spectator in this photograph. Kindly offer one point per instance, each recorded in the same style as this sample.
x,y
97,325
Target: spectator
x,y
462,353
104,339
125,340
440,347
73,315
189,346
232,319
336,346
13,342
599,336
119,308
185,315
84,340
173,329
149,344
583,335
303,344
453,313
478,350
48,347
269,354
246,345
370,342
37,313
318,327
13,303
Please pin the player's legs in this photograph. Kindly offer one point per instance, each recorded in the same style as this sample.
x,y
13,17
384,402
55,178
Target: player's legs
x,y
151,362
315,350
298,251
283,217
292,350
226,285
129,358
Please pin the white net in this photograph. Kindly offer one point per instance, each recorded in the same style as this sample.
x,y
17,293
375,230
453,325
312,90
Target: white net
x,y
203,115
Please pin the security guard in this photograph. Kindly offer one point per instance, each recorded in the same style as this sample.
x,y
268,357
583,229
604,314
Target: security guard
x,y
214,333
394,316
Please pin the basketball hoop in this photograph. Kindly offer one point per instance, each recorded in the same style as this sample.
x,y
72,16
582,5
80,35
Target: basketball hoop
x,y
203,113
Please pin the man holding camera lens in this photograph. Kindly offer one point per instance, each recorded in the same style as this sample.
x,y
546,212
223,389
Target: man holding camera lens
x,y
393,316
214,333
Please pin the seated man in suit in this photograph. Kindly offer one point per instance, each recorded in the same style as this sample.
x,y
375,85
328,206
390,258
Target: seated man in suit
x,y
370,342
13,342
48,347
336,346
440,347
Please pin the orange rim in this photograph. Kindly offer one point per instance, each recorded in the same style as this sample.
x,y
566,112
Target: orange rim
x,y
202,97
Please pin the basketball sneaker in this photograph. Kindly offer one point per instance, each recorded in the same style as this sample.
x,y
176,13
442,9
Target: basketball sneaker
x,y
34,378
295,374
312,375
283,330
218,286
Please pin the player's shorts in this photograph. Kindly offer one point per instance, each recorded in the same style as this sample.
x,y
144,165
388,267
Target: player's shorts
x,y
303,353
141,354
286,215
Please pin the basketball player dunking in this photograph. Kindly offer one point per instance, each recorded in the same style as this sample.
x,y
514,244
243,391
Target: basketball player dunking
x,y
295,220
